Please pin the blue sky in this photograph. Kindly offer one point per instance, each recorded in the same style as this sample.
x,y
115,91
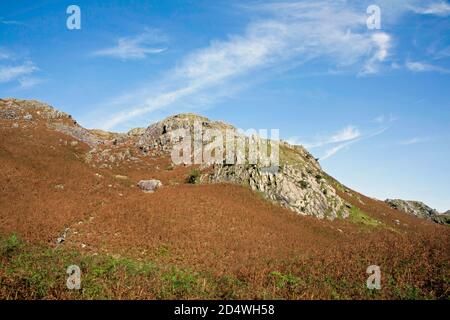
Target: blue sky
x,y
372,104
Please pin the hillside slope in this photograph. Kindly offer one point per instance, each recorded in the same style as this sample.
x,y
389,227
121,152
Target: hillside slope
x,y
189,240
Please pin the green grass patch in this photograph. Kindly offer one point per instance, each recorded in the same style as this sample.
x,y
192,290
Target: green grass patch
x,y
282,281
179,283
30,271
11,245
290,156
193,176
360,217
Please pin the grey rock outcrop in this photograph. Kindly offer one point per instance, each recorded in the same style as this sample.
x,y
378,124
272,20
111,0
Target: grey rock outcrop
x,y
136,132
8,114
292,187
298,183
11,108
442,218
419,210
158,135
149,185
76,132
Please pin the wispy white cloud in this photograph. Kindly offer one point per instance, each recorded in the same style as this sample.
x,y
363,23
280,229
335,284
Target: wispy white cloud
x,y
346,134
417,66
29,82
10,73
340,139
15,69
135,47
379,119
345,137
438,8
442,53
287,35
334,150
10,22
382,43
414,141
4,55
331,152
382,119
384,122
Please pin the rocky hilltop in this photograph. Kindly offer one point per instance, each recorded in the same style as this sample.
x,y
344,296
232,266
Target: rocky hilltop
x,y
419,210
298,183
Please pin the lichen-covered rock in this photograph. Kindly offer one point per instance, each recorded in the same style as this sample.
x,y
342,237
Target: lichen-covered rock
x,y
77,132
149,185
419,210
8,114
24,107
298,183
158,135
442,218
135,132
293,188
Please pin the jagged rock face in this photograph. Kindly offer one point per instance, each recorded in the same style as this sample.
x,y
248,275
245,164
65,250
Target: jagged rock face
x,y
32,111
292,187
78,133
14,109
418,209
136,132
443,218
415,208
104,145
298,183
157,135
